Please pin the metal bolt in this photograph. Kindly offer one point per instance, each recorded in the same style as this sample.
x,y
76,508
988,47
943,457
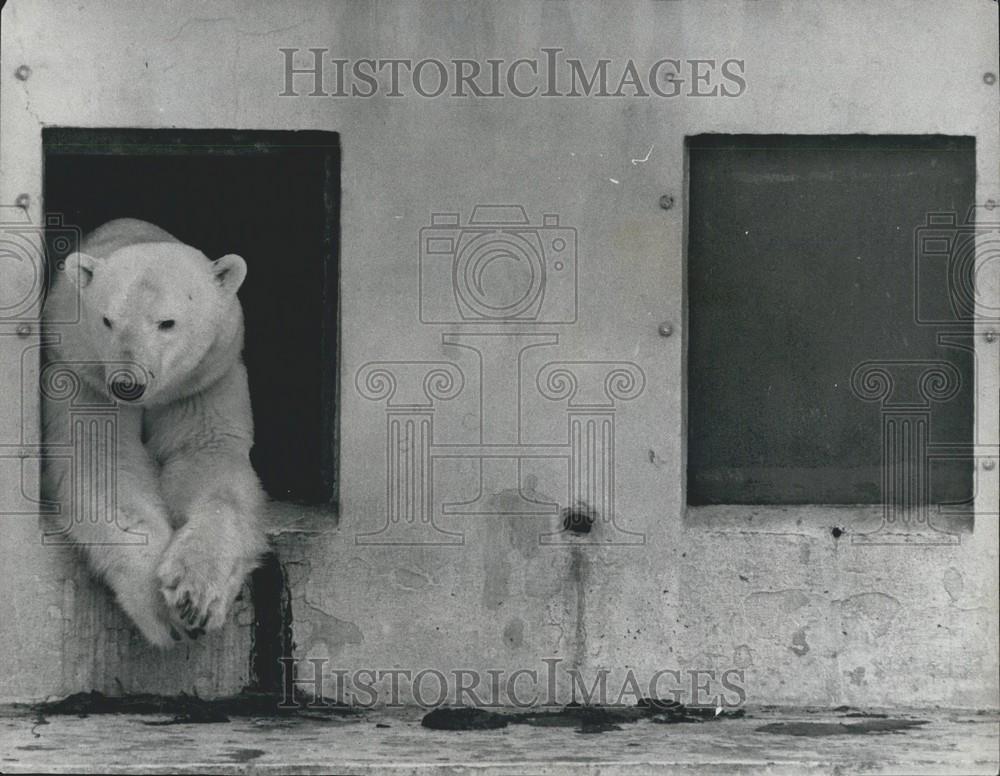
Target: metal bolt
x,y
23,201
990,204
989,78
23,73
22,452
989,464
666,329
991,336
24,330
666,202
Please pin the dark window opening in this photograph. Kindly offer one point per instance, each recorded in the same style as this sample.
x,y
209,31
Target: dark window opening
x,y
801,265
273,197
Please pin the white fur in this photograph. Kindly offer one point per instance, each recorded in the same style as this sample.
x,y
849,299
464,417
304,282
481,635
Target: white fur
x,y
183,470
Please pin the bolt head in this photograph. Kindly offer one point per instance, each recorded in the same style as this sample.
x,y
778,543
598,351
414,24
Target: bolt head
x,y
23,73
666,202
23,201
989,464
991,336
665,329
23,330
989,78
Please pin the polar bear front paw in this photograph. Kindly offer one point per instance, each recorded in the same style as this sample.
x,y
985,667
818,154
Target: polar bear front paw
x,y
199,585
139,599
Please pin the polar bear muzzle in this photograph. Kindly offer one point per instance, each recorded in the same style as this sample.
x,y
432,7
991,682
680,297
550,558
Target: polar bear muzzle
x,y
127,385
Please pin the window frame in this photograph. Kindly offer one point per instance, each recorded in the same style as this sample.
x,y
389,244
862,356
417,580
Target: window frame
x,y
182,141
867,523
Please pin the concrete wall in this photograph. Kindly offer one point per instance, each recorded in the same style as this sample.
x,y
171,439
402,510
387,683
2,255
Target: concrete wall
x,y
810,618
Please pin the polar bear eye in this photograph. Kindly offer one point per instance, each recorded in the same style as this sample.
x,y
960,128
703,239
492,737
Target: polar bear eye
x,y
107,322
167,324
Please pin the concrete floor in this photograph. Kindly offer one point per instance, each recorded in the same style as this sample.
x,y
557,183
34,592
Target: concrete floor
x,y
393,742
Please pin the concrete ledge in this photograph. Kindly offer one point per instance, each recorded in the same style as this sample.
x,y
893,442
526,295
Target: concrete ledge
x,y
862,523
392,741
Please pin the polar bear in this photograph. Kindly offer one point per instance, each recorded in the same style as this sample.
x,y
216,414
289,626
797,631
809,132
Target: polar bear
x,y
158,339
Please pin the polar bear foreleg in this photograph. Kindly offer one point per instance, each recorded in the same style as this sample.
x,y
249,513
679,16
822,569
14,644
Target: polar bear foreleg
x,y
217,497
130,568
117,519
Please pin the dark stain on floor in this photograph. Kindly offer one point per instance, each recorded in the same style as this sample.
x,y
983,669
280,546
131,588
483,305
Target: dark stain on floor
x,y
583,718
446,718
244,755
189,709
870,725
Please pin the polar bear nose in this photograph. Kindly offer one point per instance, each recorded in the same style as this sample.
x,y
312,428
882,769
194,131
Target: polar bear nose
x,y
128,389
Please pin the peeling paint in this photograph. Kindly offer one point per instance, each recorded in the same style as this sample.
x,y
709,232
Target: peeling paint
x,y
782,601
325,635
742,656
869,614
655,459
411,579
953,583
513,634
799,644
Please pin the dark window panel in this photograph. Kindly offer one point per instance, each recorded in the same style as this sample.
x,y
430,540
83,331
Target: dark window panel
x,y
801,266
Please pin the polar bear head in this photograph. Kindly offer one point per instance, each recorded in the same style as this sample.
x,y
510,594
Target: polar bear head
x,y
165,314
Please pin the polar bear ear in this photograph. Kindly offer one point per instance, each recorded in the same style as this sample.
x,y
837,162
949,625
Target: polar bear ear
x,y
229,272
79,267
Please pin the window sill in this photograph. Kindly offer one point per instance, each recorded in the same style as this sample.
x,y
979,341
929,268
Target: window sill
x,y
863,523
282,517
